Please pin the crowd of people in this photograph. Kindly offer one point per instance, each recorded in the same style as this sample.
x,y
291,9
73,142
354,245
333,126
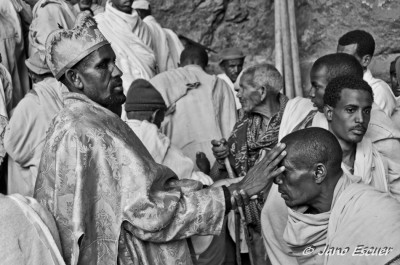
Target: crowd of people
x,y
118,147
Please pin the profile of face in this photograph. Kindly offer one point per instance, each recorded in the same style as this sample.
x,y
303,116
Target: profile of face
x,y
298,184
350,118
318,79
249,95
394,80
101,78
123,5
232,68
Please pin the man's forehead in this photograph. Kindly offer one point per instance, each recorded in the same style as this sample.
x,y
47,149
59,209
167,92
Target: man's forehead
x,y
355,97
105,52
319,72
349,49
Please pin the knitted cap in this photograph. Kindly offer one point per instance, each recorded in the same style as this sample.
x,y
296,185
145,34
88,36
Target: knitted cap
x,y
143,96
65,48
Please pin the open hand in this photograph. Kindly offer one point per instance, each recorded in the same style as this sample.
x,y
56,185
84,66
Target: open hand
x,y
262,174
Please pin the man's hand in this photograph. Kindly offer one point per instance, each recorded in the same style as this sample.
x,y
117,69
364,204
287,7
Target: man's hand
x,y
262,174
203,163
220,150
226,182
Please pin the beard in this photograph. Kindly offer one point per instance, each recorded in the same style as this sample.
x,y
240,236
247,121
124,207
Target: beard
x,y
113,100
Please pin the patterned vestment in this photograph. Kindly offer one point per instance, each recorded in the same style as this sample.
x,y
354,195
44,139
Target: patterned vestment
x,y
112,203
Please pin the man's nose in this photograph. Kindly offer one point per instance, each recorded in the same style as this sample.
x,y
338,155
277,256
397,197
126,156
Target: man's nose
x,y
278,180
360,116
311,94
116,71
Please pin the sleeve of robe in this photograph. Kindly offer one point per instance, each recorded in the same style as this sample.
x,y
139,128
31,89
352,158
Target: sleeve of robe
x,y
226,112
94,176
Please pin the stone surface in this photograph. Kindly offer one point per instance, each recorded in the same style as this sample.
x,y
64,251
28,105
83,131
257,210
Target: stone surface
x,y
249,24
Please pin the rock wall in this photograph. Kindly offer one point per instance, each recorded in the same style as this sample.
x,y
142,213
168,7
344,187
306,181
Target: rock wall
x,y
249,24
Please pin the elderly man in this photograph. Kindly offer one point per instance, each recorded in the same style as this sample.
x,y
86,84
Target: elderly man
x,y
167,47
12,48
130,39
111,201
361,45
231,62
299,114
145,109
256,130
202,106
26,132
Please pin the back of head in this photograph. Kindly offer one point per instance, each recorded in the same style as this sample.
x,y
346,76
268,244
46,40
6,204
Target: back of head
x,y
263,75
194,54
313,145
365,42
339,64
334,88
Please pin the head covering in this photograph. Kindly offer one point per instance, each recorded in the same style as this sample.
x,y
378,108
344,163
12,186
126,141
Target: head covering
x,y
141,4
230,54
36,64
143,96
65,48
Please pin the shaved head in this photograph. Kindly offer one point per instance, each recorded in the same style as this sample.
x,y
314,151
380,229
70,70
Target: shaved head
x,y
194,54
310,146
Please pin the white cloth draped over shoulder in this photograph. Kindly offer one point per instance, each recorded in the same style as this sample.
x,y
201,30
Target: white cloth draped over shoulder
x,y
29,233
383,95
364,219
160,148
175,46
305,230
161,45
131,41
204,109
26,133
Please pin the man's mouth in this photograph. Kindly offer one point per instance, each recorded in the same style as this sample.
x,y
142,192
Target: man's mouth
x,y
359,130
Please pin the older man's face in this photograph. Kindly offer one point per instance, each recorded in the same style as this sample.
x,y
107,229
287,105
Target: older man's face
x,y
249,95
296,184
232,68
101,78
123,5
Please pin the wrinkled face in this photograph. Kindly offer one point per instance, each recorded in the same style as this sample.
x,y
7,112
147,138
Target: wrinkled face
x,y
123,5
101,78
296,185
394,80
249,96
318,79
351,115
85,4
232,68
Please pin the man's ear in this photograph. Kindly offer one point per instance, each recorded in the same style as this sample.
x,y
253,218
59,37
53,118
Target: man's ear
x,y
366,60
320,173
74,78
263,92
328,111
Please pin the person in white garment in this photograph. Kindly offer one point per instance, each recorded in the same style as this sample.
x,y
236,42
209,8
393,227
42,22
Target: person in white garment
x,y
167,46
361,45
231,62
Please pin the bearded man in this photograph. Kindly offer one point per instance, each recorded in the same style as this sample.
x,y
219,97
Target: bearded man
x,y
112,203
